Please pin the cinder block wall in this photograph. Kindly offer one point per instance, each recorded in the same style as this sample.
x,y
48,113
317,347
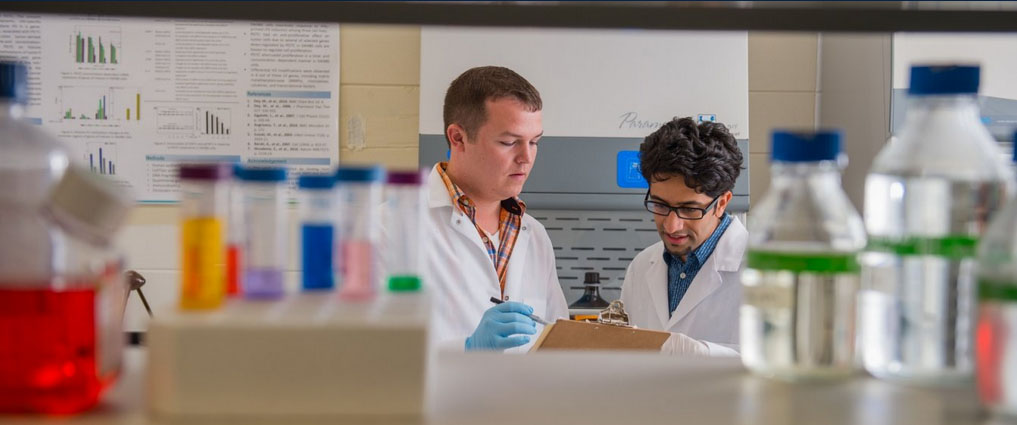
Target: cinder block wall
x,y
783,93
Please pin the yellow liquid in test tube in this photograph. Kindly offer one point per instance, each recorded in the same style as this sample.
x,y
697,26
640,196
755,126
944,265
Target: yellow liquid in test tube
x,y
201,254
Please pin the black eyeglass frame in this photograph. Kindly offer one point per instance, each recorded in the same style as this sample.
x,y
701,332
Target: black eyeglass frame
x,y
648,204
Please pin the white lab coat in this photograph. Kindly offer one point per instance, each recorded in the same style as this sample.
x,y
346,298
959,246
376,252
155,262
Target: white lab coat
x,y
463,279
708,312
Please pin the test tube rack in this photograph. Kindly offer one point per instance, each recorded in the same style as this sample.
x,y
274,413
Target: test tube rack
x,y
306,356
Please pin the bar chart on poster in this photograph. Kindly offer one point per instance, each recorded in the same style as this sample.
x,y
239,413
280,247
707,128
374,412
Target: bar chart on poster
x,y
216,121
101,162
99,103
91,48
132,98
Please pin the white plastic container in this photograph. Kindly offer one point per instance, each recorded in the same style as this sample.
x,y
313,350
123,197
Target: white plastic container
x,y
265,232
404,211
359,191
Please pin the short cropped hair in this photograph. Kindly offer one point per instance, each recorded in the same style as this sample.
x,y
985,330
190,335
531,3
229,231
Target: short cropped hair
x,y
705,155
466,96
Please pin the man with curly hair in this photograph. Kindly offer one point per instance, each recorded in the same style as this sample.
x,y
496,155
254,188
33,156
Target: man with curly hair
x,y
688,283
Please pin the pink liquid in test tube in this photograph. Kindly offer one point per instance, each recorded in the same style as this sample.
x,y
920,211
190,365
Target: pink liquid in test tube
x,y
358,270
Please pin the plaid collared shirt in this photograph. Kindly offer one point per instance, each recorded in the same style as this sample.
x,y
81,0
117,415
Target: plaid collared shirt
x,y
510,219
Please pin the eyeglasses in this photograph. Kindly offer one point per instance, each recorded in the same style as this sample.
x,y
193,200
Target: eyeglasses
x,y
684,213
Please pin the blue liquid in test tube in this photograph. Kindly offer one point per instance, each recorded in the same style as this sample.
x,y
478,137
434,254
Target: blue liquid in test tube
x,y
316,242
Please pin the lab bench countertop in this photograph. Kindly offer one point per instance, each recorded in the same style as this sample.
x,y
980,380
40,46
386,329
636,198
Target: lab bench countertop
x,y
604,388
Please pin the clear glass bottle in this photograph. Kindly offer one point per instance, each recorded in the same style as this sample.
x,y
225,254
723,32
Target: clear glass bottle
x,y
996,329
31,162
802,275
317,231
266,242
404,213
928,197
203,197
359,191
61,293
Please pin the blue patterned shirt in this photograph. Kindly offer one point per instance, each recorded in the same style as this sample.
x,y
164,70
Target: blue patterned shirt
x,y
680,273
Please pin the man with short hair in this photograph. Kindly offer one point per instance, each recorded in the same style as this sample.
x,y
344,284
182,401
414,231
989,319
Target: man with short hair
x,y
688,283
481,243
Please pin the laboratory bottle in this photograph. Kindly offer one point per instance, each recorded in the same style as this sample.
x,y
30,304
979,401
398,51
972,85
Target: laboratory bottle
x,y
61,296
929,196
265,236
403,211
996,328
801,280
204,193
235,233
31,162
591,293
88,292
359,198
317,230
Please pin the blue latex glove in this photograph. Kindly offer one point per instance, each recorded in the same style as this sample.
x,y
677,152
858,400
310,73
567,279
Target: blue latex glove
x,y
501,326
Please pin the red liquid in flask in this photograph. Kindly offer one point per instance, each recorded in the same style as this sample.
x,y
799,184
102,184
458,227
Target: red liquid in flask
x,y
53,359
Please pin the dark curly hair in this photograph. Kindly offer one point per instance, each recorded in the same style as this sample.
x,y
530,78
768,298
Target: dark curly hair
x,y
705,155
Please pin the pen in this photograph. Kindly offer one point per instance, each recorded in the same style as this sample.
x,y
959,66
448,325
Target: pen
x,y
532,316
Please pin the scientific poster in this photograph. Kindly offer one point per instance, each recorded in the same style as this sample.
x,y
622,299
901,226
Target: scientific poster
x,y
133,97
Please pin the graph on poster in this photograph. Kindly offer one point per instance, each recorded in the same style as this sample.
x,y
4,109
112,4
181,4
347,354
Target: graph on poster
x,y
193,121
96,44
100,103
101,157
216,120
174,120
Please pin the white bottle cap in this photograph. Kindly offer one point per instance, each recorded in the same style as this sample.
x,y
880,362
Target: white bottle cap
x,y
88,205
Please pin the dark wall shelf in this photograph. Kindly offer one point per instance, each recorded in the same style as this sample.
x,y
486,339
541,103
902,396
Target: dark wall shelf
x,y
777,16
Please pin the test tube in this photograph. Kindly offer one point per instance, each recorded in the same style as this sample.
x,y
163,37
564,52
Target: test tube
x,y
359,192
404,216
203,196
317,231
235,233
265,240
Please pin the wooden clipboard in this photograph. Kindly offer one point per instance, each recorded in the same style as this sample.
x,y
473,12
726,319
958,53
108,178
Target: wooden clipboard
x,y
574,335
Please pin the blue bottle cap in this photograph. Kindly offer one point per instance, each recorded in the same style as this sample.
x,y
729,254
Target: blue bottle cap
x,y
263,174
805,146
14,81
316,181
366,174
944,79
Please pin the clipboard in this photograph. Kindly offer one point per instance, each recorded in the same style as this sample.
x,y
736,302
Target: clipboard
x,y
611,331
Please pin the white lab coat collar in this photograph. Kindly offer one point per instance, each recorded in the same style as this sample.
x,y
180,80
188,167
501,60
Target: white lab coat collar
x,y
726,257
437,193
438,197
